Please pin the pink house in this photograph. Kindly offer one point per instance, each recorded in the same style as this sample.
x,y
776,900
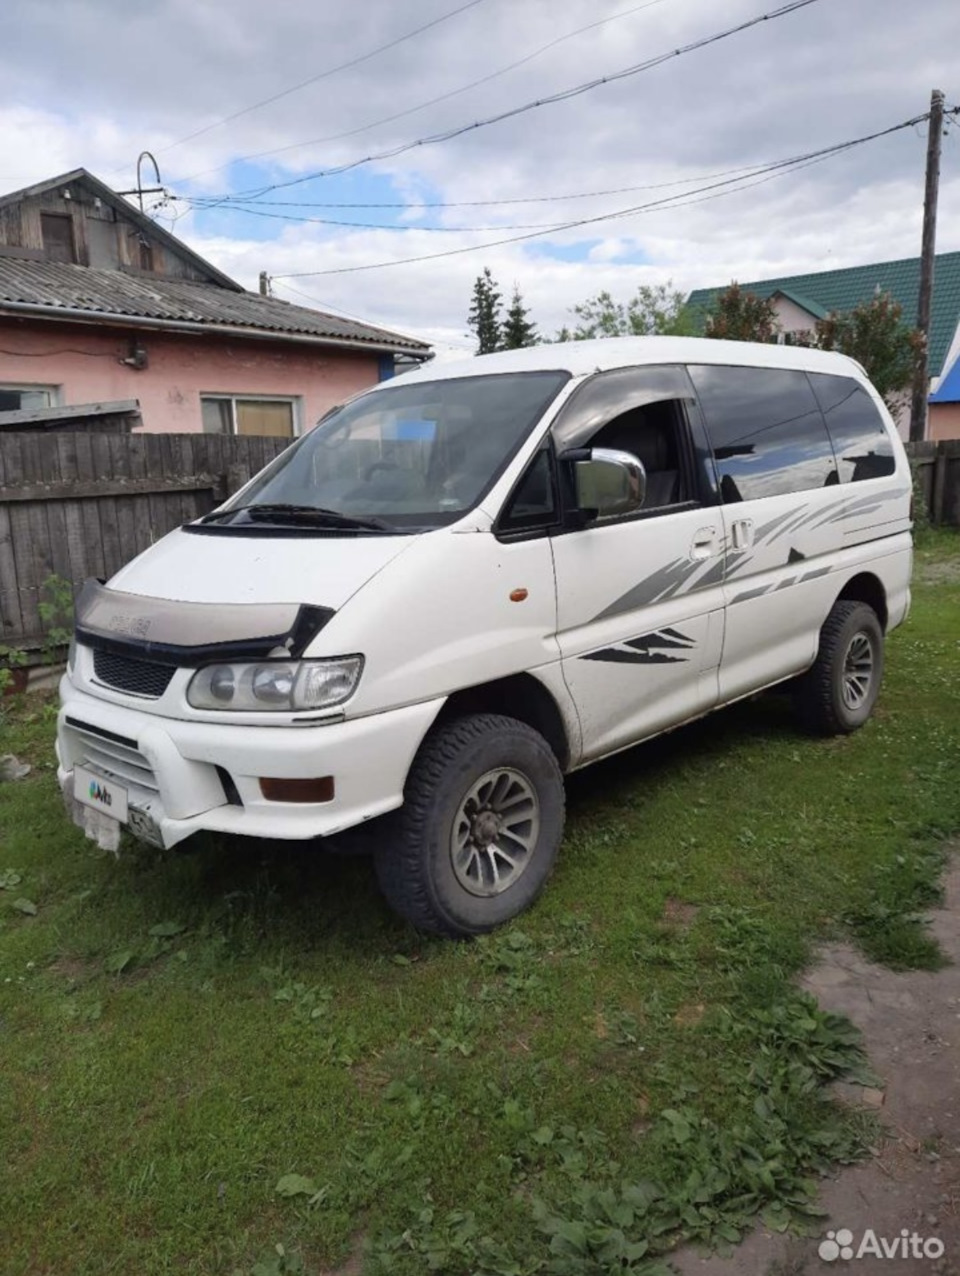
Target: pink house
x,y
98,302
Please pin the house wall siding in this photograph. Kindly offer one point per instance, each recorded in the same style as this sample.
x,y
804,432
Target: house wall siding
x,y
102,236
791,317
944,421
85,364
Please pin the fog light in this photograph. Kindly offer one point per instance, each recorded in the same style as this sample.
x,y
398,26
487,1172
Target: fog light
x,y
319,790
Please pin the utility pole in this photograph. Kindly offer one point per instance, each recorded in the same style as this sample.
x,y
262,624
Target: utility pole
x,y
921,383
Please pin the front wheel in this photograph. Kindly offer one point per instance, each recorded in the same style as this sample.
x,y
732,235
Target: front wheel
x,y
837,693
478,834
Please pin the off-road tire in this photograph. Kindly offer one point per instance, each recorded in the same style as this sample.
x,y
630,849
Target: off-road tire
x,y
821,703
413,860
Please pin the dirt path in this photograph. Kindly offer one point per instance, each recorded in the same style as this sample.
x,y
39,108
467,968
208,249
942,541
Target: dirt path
x,y
911,1025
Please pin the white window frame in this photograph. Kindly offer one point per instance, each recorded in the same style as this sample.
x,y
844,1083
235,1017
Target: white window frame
x,y
54,392
295,401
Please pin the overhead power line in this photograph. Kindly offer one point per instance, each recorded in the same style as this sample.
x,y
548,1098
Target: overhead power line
x,y
321,75
253,211
200,201
712,191
422,106
564,95
325,305
256,209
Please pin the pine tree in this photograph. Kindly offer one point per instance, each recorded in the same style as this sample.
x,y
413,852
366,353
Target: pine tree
x,y
518,331
484,317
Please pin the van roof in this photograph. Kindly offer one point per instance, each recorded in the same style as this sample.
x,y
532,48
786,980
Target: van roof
x,y
582,357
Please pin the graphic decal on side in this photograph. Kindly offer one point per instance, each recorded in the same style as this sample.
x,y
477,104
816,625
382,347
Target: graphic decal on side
x,y
685,576
869,504
783,584
665,647
661,584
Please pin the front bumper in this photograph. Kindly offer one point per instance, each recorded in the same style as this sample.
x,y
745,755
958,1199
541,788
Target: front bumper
x,y
181,775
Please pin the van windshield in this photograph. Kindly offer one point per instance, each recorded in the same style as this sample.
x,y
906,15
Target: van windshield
x,y
414,455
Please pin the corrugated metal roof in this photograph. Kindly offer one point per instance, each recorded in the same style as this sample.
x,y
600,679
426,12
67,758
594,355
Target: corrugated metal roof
x,y
59,286
811,307
844,289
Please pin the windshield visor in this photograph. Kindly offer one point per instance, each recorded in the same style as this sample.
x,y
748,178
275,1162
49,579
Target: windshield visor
x,y
416,456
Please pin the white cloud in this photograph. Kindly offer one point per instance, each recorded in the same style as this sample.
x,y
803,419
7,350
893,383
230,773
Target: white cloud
x,y
88,84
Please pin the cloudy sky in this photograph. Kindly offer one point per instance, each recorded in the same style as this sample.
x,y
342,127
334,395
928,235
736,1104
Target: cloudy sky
x,y
247,106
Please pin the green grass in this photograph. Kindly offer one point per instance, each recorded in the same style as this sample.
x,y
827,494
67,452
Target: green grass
x,y
627,1064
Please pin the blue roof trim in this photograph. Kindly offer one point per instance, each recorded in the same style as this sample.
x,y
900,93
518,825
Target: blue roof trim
x,y
949,389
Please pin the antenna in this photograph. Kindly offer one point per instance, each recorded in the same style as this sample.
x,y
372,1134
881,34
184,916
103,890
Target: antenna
x,y
140,190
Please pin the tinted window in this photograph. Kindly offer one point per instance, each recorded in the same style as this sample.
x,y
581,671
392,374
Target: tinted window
x,y
766,429
609,394
640,411
534,501
859,436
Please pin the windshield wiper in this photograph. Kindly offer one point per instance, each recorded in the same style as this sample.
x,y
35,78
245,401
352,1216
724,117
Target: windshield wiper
x,y
281,511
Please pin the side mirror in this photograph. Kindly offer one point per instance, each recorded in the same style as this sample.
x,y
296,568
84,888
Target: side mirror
x,y
607,482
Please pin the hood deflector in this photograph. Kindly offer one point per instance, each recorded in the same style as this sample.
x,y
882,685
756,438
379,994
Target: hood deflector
x,y
187,633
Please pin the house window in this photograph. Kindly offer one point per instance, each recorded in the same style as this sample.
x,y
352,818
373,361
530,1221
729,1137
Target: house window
x,y
223,414
21,398
58,241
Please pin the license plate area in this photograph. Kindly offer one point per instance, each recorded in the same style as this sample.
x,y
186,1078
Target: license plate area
x,y
103,795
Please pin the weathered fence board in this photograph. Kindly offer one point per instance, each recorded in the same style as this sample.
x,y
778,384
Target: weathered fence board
x,y
937,469
80,504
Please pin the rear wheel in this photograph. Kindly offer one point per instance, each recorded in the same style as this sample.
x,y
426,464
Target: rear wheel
x,y
837,693
477,836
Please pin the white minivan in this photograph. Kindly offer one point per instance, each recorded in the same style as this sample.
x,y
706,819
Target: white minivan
x,y
476,577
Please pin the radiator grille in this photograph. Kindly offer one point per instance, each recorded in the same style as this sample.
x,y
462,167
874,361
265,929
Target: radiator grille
x,y
125,673
113,756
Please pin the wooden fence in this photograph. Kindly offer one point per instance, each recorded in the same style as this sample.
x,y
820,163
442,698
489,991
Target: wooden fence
x,y
937,468
77,505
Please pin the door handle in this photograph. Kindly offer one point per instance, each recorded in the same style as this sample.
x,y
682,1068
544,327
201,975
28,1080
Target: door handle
x,y
706,542
741,533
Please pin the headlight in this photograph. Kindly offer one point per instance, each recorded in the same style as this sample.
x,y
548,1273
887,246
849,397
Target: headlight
x,y
280,685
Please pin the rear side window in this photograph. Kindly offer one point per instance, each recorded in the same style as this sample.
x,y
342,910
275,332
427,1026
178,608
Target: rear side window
x,y
766,430
860,438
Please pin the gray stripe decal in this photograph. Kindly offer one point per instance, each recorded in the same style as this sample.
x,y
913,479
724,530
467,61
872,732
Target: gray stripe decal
x,y
648,649
792,526
712,576
766,528
783,584
663,583
670,580
752,593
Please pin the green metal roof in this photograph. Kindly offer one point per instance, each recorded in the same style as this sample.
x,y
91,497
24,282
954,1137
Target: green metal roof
x,y
805,303
831,290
